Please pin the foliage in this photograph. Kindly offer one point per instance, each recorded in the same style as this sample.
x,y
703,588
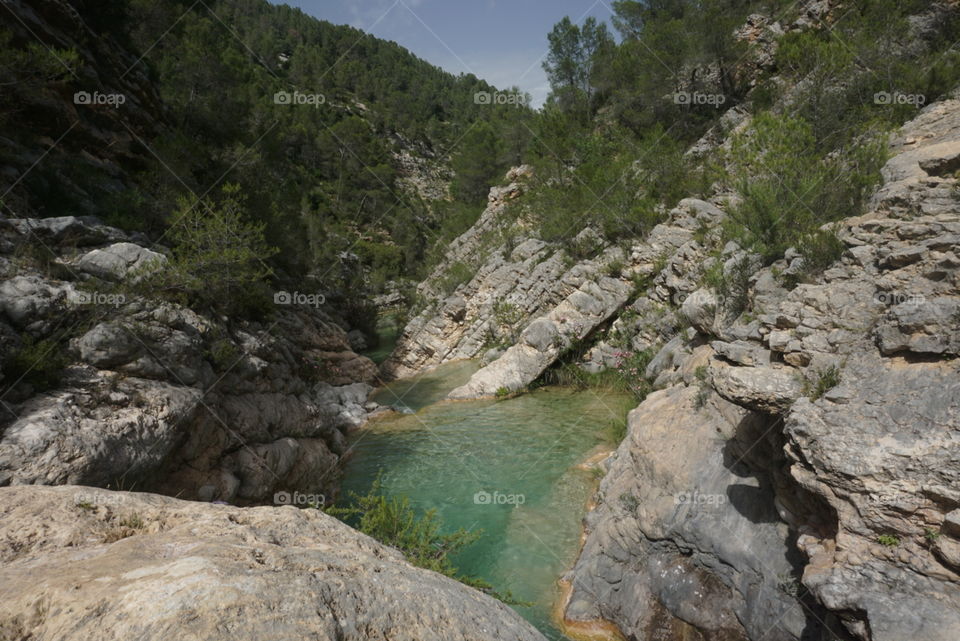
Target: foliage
x,y
823,381
39,363
393,522
888,540
818,250
218,256
507,317
457,274
789,188
607,179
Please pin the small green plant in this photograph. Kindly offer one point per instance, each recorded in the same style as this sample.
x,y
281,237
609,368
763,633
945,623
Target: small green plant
x,y
393,522
888,540
502,392
789,584
824,381
457,274
629,502
134,522
615,268
931,535
617,429
703,387
85,505
224,354
818,251
507,317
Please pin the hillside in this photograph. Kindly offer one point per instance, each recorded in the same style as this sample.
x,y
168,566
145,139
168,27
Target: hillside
x,y
341,144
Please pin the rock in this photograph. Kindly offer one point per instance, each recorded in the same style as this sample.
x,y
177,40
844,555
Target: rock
x,y
108,345
71,437
767,389
700,309
63,230
358,341
877,466
543,341
215,572
28,300
686,539
541,334
921,326
119,260
491,355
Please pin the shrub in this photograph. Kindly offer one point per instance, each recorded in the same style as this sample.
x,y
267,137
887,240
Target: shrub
x,y
502,392
218,256
888,540
224,354
825,380
789,188
508,315
393,522
37,362
819,250
457,274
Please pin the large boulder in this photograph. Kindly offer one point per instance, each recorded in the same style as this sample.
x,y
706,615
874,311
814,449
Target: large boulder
x,y
79,564
685,541
119,260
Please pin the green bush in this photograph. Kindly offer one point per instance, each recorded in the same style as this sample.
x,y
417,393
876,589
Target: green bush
x,y
888,540
457,274
218,255
789,188
393,522
37,362
819,250
822,382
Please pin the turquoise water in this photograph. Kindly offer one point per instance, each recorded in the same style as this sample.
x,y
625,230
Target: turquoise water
x,y
508,467
388,330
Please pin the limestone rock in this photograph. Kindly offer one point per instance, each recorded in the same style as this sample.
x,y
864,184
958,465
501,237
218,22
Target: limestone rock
x,y
119,260
80,563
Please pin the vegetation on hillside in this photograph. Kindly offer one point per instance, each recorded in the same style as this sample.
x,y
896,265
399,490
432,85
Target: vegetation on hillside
x,y
304,117
609,145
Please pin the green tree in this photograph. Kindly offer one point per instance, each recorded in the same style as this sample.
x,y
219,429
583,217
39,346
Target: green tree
x,y
477,166
219,256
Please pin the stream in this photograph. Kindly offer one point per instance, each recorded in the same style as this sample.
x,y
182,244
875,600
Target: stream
x,y
509,467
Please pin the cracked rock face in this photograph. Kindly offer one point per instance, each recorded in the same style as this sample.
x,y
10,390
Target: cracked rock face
x,y
80,563
821,436
159,396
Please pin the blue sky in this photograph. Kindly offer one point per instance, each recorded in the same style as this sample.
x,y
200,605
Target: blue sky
x,y
501,41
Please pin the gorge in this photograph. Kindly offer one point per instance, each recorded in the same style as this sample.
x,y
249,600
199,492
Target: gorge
x,y
636,365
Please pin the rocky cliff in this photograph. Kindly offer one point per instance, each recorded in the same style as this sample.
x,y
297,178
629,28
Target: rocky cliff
x,y
81,563
741,462
794,475
154,395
